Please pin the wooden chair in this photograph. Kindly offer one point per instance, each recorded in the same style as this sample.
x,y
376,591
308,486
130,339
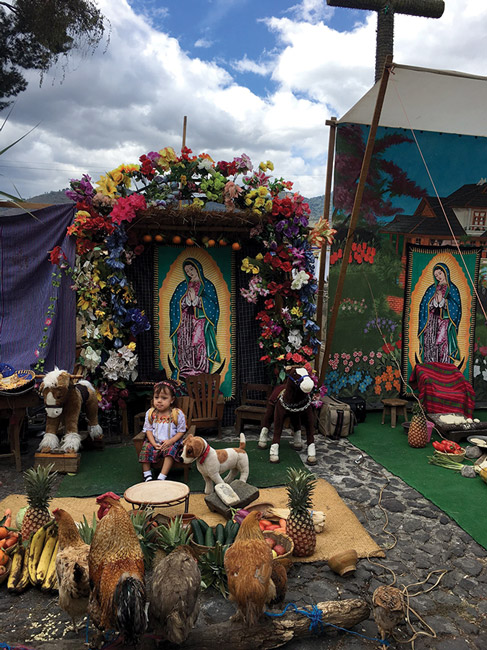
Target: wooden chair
x,y
204,389
252,408
186,405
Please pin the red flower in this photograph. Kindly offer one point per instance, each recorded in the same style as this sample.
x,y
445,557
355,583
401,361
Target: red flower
x,y
286,267
265,358
57,255
388,347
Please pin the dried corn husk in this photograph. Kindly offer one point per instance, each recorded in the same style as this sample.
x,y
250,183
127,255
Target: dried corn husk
x,y
317,515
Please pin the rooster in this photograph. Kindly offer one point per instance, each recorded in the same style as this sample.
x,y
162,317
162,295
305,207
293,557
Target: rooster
x,y
248,563
116,564
174,602
71,567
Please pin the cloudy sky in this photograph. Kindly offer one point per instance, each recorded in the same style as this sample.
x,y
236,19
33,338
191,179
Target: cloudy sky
x,y
254,76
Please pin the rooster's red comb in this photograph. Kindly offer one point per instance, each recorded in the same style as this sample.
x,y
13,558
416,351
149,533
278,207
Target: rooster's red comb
x,y
107,494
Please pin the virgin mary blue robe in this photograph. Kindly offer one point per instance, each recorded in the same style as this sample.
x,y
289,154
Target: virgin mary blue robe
x,y
209,310
452,311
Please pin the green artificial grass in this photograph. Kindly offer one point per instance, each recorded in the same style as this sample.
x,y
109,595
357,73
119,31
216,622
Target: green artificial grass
x,y
117,468
462,499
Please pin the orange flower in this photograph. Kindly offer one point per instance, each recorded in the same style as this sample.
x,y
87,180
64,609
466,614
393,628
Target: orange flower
x,y
377,390
388,386
397,385
378,379
397,373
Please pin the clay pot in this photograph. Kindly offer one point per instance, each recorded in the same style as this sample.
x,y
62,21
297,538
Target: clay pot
x,y
343,563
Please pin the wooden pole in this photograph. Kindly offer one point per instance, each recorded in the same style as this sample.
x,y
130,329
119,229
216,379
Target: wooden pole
x,y
185,123
332,123
355,213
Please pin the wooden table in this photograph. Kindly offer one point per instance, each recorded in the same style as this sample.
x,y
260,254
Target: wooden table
x,y
158,494
13,407
393,405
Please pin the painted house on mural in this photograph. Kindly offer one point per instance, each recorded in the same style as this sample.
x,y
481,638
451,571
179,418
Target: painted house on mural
x,y
431,142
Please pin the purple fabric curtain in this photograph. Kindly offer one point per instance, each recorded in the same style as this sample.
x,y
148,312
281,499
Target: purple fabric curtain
x,y
26,289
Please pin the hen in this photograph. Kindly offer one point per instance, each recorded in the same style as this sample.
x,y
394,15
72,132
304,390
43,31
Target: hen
x,y
71,567
116,564
174,602
388,608
248,563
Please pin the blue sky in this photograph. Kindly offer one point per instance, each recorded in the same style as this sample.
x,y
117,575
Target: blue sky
x,y
254,76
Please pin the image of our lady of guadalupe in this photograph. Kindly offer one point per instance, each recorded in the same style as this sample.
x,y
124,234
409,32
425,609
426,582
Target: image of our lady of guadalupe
x,y
194,312
440,313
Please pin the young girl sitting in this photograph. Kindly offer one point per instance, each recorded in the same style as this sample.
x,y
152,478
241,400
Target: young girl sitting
x,y
164,428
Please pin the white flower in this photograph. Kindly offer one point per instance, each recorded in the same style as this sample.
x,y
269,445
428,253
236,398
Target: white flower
x,y
91,358
299,278
295,339
205,164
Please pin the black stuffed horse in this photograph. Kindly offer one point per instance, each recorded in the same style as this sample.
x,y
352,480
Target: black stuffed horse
x,y
291,400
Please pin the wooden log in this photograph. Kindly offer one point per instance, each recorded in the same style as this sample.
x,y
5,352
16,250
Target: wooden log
x,y
275,632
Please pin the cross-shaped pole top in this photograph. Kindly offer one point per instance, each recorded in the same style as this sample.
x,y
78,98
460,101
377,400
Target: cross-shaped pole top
x,y
385,20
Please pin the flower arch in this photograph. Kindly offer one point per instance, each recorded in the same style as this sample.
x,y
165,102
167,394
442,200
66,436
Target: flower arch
x,y
282,282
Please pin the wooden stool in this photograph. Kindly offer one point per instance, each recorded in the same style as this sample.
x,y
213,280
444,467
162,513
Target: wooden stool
x,y
393,405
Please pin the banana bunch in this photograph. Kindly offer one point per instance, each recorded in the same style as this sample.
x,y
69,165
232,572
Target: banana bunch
x,y
35,564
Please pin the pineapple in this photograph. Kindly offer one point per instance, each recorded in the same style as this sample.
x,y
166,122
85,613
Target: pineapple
x,y
418,429
300,526
38,485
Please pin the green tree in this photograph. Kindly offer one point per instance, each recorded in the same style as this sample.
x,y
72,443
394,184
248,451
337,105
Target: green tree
x,y
35,34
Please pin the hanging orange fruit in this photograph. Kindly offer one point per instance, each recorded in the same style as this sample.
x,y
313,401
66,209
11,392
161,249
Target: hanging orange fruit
x,y
222,241
189,242
159,238
236,246
211,242
147,239
176,239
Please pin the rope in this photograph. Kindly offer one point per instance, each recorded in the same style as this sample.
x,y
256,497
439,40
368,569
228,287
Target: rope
x,y
316,622
438,197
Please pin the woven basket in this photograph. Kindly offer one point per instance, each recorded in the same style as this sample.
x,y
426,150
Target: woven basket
x,y
456,457
283,540
4,576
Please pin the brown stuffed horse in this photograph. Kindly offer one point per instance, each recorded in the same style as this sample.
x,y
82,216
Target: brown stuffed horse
x,y
291,400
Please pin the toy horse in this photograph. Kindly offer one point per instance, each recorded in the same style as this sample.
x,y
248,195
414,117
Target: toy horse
x,y
293,401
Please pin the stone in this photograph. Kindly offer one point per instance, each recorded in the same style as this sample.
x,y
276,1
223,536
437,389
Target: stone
x,y
247,493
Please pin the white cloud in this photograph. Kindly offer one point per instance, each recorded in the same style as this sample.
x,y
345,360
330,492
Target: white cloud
x,y
116,105
203,42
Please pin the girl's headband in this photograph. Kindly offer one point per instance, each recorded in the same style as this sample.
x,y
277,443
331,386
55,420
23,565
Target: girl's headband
x,y
165,383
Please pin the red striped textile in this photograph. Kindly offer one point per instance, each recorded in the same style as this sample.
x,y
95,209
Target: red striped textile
x,y
443,389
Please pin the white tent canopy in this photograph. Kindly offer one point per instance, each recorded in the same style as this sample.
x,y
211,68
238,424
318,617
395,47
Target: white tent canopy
x,y
427,100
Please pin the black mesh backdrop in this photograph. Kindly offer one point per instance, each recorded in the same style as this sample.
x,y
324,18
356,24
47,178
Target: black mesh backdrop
x,y
247,367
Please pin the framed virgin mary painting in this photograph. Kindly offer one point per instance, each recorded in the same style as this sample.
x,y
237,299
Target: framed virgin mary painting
x,y
194,307
439,307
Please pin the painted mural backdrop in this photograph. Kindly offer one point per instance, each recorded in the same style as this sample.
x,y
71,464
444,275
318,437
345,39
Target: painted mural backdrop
x,y
194,307
367,346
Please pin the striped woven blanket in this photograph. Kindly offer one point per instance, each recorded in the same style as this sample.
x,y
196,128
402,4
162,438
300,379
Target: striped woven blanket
x,y
443,389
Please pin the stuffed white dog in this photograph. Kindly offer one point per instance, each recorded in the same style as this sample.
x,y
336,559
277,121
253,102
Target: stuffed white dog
x,y
211,463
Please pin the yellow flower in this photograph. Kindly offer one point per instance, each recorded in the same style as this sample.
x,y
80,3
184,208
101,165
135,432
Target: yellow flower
x,y
270,166
184,180
268,206
99,313
245,265
259,202
131,345
116,176
262,191
296,311
83,303
198,203
255,269
259,256
262,166
107,187
82,213
167,156
248,201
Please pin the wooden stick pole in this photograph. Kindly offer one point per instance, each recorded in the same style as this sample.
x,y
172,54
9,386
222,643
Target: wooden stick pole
x,y
332,123
185,124
355,213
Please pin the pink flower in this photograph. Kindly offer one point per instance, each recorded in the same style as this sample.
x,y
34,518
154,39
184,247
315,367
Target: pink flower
x,y
126,208
48,321
350,364
365,359
36,352
371,354
379,355
347,369
371,362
